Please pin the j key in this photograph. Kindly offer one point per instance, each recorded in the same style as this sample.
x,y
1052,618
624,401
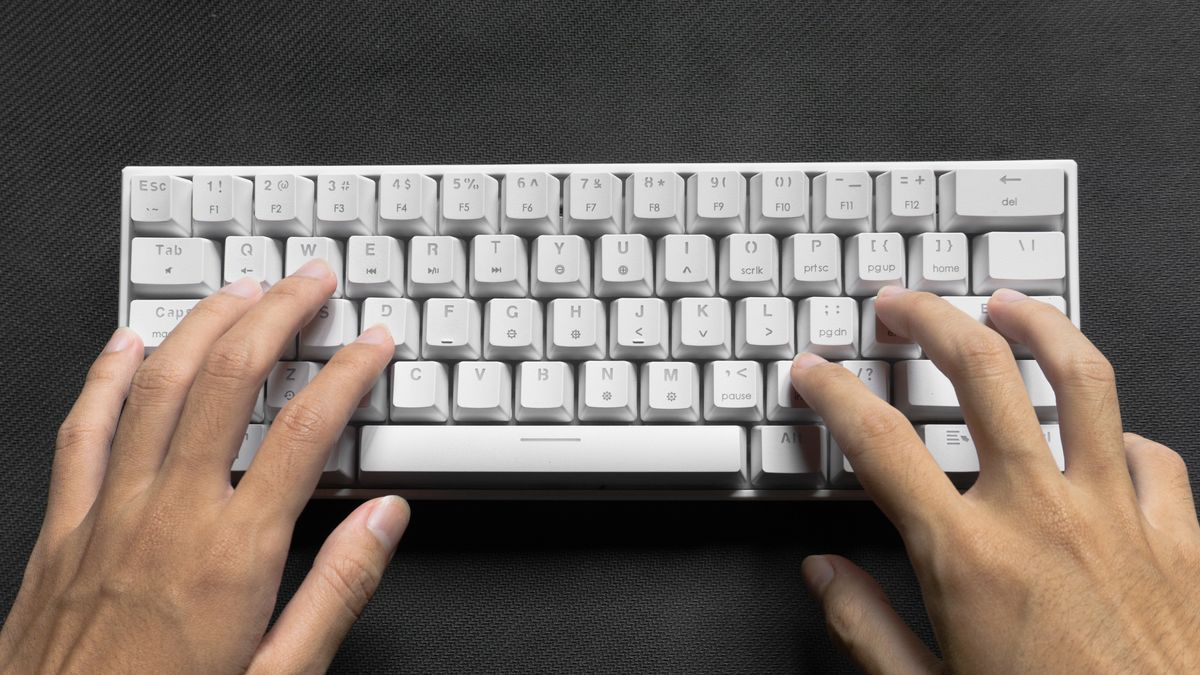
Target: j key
x,y
529,203
841,202
160,206
592,204
258,257
374,267
686,264
407,205
334,326
733,391
812,265
452,329
303,249
283,205
787,456
879,341
470,205
545,392
937,263
499,266
1030,262
979,200
153,320
654,203
923,393
716,203
638,329
779,202
607,391
953,448
701,328
905,201
437,267
222,205
482,392
874,261
828,327
402,320
749,265
174,267
286,380
420,392
577,329
764,328
783,404
513,330
345,205
670,392
624,266
373,406
562,267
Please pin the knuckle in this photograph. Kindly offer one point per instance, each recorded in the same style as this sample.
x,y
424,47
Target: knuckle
x,y
980,353
233,360
159,377
881,430
352,580
1084,370
302,421
844,616
1165,459
78,434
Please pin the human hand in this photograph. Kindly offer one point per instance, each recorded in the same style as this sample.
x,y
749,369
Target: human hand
x,y
1030,570
148,560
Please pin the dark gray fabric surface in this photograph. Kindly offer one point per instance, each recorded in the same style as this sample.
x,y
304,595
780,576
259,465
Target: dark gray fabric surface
x,y
89,87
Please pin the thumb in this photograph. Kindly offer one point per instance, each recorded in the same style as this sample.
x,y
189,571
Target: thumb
x,y
343,578
861,621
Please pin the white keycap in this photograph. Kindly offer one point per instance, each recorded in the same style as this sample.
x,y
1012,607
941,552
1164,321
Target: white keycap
x,y
638,329
437,267
922,392
716,203
607,391
345,205
513,330
303,249
783,403
259,414
407,204
828,327
174,267
670,392
160,206
283,205
624,266
592,204
841,202
879,341
258,257
733,391
483,392
334,326
529,204
701,328
976,307
374,267
937,263
654,203
764,328
420,392
341,469
452,328
812,265
979,200
875,374
251,441
373,406
222,205
905,201
562,267
153,320
787,456
749,265
1030,262
953,448
577,329
874,261
470,204
1041,394
402,320
837,468
686,264
499,266
545,392
286,380
779,202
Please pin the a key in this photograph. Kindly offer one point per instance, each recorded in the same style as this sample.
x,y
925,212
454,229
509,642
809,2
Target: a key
x,y
592,204
937,263
452,329
283,205
875,374
879,341
787,456
783,403
607,391
253,438
638,329
334,326
733,391
749,265
303,249
222,205
437,267
562,267
153,320
624,266
286,380
828,327
529,204
764,328
402,320
874,261
345,205
654,203
545,392
512,329
373,406
979,200
499,266
1030,262
470,205
482,392
953,448
160,206
407,205
905,201
716,203
374,267
779,202
812,265
701,328
174,267
686,264
577,329
258,257
670,392
841,202
420,392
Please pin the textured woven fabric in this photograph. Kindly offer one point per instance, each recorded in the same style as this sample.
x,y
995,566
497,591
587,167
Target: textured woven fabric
x,y
89,87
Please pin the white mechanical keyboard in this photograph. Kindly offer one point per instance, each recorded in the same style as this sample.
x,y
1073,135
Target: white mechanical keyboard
x,y
613,330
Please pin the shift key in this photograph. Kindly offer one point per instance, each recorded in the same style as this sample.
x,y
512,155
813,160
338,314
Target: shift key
x,y
981,200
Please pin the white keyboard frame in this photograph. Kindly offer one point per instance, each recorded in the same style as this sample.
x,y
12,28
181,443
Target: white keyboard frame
x,y
1069,167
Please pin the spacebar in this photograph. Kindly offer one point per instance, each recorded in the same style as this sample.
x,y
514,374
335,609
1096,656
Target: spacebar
x,y
593,457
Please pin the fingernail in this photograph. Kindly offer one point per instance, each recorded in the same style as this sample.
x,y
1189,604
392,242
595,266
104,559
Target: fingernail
x,y
818,572
375,335
805,360
889,291
1007,295
246,287
121,338
388,519
314,269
